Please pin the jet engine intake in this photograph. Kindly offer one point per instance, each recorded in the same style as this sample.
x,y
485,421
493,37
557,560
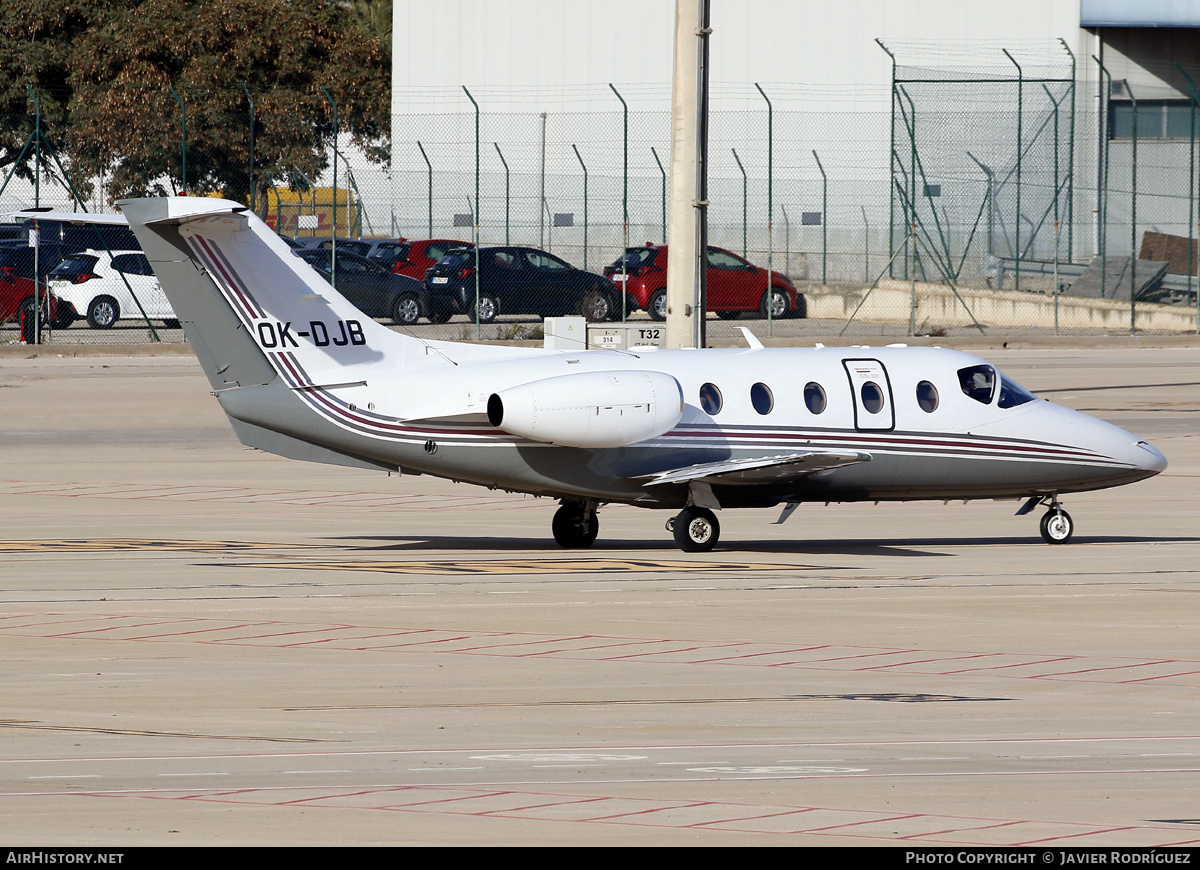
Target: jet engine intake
x,y
590,409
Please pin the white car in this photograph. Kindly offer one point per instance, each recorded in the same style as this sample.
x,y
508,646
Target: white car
x,y
102,287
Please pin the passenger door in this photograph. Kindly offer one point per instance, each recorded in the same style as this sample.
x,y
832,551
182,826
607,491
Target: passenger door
x,y
871,392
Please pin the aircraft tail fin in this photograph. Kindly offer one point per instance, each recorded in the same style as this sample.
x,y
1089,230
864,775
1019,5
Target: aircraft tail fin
x,y
251,308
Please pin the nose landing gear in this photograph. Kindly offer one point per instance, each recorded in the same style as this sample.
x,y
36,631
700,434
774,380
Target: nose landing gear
x,y
1056,525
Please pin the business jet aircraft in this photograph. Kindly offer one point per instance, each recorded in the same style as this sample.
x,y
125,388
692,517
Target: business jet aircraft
x,y
303,374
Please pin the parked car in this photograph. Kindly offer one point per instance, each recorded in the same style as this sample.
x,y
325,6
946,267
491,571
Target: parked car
x,y
362,247
106,287
82,237
17,286
370,287
516,280
414,259
735,285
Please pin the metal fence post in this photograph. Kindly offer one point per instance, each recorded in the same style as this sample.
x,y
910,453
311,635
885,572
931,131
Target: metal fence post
x,y
1133,252
663,172
475,208
429,170
624,200
1020,155
585,207
249,100
1071,163
1056,209
891,165
787,239
507,199
824,219
333,242
182,141
1105,111
770,198
1193,99
745,197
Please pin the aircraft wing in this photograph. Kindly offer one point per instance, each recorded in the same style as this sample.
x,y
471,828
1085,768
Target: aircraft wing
x,y
761,469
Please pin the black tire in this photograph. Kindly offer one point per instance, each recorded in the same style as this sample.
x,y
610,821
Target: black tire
x,y
696,530
1057,527
26,309
656,307
801,310
573,527
596,306
488,308
171,323
103,312
66,316
407,310
729,315
780,304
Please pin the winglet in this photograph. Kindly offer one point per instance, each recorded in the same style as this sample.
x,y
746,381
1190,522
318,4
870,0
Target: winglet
x,y
753,342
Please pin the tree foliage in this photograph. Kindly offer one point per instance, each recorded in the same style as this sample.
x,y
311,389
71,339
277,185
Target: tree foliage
x,y
111,84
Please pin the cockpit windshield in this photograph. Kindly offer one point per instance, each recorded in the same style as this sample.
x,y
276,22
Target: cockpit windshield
x,y
979,383
1012,393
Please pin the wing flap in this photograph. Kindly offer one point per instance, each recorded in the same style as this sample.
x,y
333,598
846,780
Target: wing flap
x,y
761,469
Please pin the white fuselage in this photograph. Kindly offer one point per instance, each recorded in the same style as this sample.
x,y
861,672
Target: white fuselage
x,y
434,421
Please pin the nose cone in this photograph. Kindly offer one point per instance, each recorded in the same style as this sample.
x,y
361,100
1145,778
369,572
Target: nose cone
x,y
1148,459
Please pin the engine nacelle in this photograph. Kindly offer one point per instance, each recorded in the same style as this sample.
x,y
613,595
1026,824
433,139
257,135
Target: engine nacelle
x,y
590,409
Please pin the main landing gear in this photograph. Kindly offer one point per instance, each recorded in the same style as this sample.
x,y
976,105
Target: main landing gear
x,y
575,525
696,529
1056,525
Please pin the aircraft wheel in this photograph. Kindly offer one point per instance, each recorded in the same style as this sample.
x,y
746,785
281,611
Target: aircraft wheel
x,y
696,530
574,526
1057,527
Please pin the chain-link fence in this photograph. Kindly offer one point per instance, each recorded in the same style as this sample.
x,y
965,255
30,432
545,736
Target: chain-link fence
x,y
1017,204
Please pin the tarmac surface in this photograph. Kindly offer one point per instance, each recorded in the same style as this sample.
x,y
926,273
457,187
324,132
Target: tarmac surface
x,y
207,645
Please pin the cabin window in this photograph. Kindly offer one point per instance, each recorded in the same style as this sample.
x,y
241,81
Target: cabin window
x,y
978,383
761,398
1012,393
814,397
927,397
872,397
710,399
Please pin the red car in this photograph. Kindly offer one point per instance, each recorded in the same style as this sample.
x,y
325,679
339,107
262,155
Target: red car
x,y
414,259
17,287
734,285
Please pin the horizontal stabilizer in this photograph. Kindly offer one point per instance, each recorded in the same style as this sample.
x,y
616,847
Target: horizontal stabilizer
x,y
761,469
73,217
178,210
